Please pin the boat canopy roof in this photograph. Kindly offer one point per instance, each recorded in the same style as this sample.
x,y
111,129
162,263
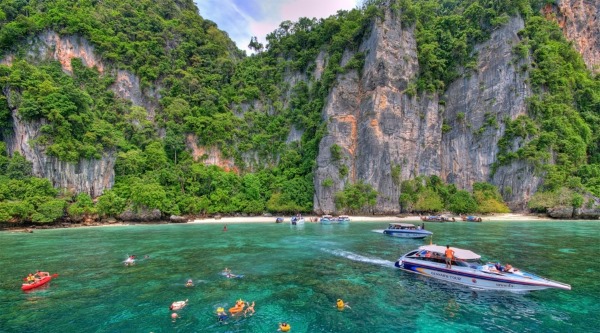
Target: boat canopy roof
x,y
459,253
405,225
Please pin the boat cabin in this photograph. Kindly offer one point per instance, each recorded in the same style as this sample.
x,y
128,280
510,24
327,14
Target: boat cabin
x,y
435,253
402,226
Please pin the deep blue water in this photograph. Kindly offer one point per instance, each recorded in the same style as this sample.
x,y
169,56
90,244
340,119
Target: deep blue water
x,y
294,274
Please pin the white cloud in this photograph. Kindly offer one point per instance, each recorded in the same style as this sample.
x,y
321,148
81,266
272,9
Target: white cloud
x,y
260,17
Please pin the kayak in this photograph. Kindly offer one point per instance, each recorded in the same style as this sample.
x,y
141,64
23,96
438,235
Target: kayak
x,y
40,282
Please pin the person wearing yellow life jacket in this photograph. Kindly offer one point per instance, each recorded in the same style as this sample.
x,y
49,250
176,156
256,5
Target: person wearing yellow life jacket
x,y
284,327
31,278
341,305
221,314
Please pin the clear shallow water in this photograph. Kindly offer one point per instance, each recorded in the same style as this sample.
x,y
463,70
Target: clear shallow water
x,y
294,274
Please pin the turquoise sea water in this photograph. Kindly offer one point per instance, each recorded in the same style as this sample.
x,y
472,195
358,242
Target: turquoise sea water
x,y
294,274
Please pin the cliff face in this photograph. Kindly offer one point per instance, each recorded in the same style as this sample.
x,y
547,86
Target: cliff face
x,y
375,124
476,107
383,131
89,176
580,22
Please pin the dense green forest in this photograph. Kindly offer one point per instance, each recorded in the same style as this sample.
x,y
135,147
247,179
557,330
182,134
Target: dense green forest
x,y
209,89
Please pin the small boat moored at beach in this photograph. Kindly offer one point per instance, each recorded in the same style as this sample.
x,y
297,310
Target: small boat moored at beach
x,y
343,219
468,270
297,220
471,218
326,219
406,230
437,218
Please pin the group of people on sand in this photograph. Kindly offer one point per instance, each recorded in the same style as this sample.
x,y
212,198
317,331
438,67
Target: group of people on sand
x,y
32,278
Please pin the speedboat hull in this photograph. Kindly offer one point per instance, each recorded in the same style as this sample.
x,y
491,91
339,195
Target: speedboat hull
x,y
413,234
468,273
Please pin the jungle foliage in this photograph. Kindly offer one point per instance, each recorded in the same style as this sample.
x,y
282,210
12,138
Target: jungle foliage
x,y
429,194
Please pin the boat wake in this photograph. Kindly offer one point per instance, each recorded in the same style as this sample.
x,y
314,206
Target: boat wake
x,y
360,258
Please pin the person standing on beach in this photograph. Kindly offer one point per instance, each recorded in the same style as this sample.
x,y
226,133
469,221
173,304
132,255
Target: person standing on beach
x,y
449,256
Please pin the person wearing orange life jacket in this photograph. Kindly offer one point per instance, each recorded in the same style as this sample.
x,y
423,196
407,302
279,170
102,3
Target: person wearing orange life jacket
x,y
449,256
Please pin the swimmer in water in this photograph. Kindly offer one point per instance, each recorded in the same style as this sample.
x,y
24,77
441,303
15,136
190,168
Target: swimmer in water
x,y
250,308
284,327
189,283
221,314
341,305
178,305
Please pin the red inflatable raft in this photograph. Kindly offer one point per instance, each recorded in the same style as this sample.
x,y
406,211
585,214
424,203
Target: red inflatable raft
x,y
40,282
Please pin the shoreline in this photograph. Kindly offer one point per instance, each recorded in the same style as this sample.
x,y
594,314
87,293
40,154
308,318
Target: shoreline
x,y
359,218
415,219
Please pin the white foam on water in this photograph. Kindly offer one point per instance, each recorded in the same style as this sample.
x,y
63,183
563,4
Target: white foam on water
x,y
360,258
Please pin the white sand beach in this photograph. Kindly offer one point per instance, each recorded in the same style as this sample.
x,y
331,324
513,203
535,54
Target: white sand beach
x,y
409,219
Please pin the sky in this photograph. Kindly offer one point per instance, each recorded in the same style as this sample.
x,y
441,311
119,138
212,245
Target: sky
x,y
242,19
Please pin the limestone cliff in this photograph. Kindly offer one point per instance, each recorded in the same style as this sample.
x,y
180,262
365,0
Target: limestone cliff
x,y
580,21
380,127
88,175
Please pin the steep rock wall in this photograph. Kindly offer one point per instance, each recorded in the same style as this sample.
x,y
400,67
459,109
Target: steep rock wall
x,y
476,106
88,176
580,22
379,127
375,124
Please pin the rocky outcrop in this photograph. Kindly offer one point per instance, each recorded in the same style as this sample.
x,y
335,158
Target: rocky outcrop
x,y
141,215
580,22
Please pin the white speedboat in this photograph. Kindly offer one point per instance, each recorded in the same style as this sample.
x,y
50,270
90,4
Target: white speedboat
x,y
406,230
326,219
467,269
297,220
343,219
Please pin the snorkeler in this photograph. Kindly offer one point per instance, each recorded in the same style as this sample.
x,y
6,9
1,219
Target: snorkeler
x,y
250,308
341,305
284,327
221,314
178,305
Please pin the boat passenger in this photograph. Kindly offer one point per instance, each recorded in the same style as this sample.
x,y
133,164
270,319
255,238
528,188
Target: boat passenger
x,y
31,278
178,305
508,268
42,274
449,256
284,327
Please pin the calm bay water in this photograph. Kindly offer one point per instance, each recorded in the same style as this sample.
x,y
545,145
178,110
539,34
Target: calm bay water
x,y
294,274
